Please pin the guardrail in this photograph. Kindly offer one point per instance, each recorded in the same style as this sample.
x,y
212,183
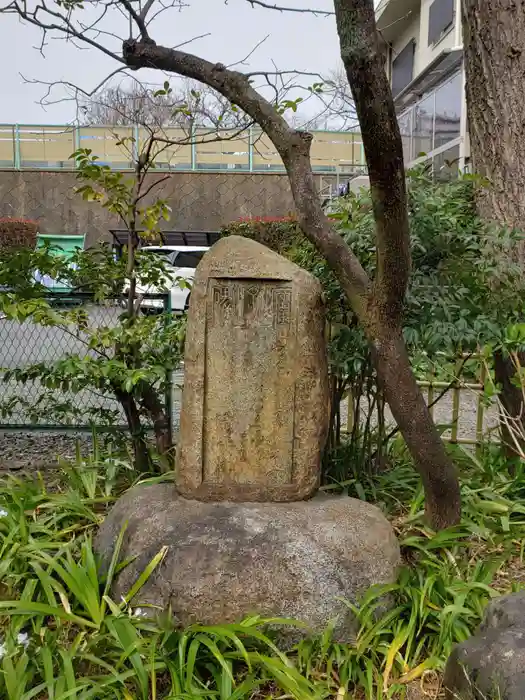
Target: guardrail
x,y
40,147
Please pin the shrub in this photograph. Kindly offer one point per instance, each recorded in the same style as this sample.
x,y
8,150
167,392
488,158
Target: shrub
x,y
278,233
16,233
131,357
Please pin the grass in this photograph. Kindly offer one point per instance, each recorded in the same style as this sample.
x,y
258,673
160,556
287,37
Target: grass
x,y
64,637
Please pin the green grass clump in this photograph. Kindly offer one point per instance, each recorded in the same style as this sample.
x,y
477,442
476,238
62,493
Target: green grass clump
x,y
62,635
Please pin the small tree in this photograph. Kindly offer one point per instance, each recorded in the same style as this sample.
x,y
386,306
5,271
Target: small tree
x,y
130,360
188,105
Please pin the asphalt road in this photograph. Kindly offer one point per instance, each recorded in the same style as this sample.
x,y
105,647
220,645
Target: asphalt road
x,y
24,344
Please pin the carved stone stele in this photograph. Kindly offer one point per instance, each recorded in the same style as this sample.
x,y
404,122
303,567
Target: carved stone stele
x,y
255,402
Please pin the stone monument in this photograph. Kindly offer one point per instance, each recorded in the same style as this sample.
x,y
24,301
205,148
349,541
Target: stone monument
x,y
244,529
255,404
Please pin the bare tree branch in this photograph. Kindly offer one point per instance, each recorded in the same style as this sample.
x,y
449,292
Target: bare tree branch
x,y
137,18
301,10
189,41
64,25
147,7
242,62
290,144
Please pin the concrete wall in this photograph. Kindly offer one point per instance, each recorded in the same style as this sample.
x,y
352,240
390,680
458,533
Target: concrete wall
x,y
202,201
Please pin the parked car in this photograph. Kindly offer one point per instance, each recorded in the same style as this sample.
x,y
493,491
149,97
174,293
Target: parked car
x,y
181,262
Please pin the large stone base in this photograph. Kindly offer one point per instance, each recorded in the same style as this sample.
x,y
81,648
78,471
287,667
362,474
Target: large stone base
x,y
228,560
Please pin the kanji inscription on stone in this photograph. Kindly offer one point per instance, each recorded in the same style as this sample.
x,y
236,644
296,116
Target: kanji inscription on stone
x,y
249,429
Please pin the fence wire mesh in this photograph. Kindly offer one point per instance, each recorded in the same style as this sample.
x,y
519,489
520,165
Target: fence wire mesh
x,y
31,406
460,411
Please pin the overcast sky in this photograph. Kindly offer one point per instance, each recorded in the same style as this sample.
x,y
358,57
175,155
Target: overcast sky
x,y
295,41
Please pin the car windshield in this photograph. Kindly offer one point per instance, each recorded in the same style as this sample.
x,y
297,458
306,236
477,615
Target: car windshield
x,y
161,252
165,254
188,258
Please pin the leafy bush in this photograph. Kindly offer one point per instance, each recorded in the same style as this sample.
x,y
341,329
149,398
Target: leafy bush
x,y
130,360
63,636
279,234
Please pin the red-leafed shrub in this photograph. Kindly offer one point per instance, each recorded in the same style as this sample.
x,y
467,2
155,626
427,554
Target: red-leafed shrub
x,y
16,233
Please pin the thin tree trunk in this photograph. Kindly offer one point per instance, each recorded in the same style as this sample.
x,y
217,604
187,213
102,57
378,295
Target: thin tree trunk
x,y
411,413
494,46
161,425
377,305
364,61
511,398
140,448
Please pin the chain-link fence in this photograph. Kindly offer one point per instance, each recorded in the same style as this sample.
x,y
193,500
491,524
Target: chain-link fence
x,y
30,406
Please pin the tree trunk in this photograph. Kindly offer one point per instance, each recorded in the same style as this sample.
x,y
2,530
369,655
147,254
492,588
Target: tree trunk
x,y
403,395
140,448
377,305
494,46
511,398
363,57
161,425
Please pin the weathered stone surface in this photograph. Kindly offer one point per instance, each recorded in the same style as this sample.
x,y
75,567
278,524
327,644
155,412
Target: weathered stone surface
x,y
228,560
255,403
491,664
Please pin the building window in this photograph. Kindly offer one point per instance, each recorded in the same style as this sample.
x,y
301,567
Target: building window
x,y
445,166
405,128
440,19
423,133
432,122
448,111
403,68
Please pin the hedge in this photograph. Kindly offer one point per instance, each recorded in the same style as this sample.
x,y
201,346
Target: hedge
x,y
278,233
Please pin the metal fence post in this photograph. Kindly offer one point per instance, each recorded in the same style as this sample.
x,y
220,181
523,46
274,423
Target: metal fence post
x,y
193,148
76,143
455,402
169,375
17,161
250,149
480,414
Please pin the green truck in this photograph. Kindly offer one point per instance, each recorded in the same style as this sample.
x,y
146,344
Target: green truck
x,y
63,245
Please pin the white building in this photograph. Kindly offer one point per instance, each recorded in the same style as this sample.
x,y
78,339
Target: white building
x,y
425,67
